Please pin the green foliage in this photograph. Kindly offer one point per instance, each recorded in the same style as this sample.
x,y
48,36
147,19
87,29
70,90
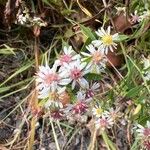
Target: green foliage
x,y
93,76
7,50
122,38
87,32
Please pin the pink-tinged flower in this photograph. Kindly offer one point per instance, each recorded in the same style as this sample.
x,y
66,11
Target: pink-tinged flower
x,y
96,59
22,19
103,123
114,114
47,75
75,72
80,107
146,145
106,42
144,135
49,79
144,132
91,90
57,114
135,17
68,56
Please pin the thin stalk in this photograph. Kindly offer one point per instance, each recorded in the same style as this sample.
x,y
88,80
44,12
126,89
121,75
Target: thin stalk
x,y
107,141
32,134
125,56
55,136
93,140
34,98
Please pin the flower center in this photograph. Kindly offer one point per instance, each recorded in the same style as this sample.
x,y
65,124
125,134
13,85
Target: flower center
x,y
80,107
76,74
65,58
56,114
99,111
96,57
52,77
107,39
103,123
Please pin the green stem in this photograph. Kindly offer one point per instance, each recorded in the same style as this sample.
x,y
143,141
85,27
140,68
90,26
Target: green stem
x,y
125,56
145,82
108,142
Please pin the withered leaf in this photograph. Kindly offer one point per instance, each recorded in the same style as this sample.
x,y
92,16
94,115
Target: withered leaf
x,y
122,23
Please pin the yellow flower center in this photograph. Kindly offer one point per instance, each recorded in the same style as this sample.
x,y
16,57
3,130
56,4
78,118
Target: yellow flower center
x,y
107,39
99,111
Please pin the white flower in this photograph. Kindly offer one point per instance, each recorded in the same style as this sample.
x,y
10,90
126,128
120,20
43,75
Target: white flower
x,y
95,87
114,114
146,62
80,96
22,19
97,111
53,103
106,42
145,15
49,79
43,92
75,71
144,132
103,123
104,119
90,90
38,21
135,17
68,56
147,76
81,105
121,10
97,60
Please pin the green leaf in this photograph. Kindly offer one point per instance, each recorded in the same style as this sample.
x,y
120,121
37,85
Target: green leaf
x,y
122,38
6,88
20,70
49,2
87,32
137,109
69,33
7,50
87,42
46,2
140,30
93,76
134,92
